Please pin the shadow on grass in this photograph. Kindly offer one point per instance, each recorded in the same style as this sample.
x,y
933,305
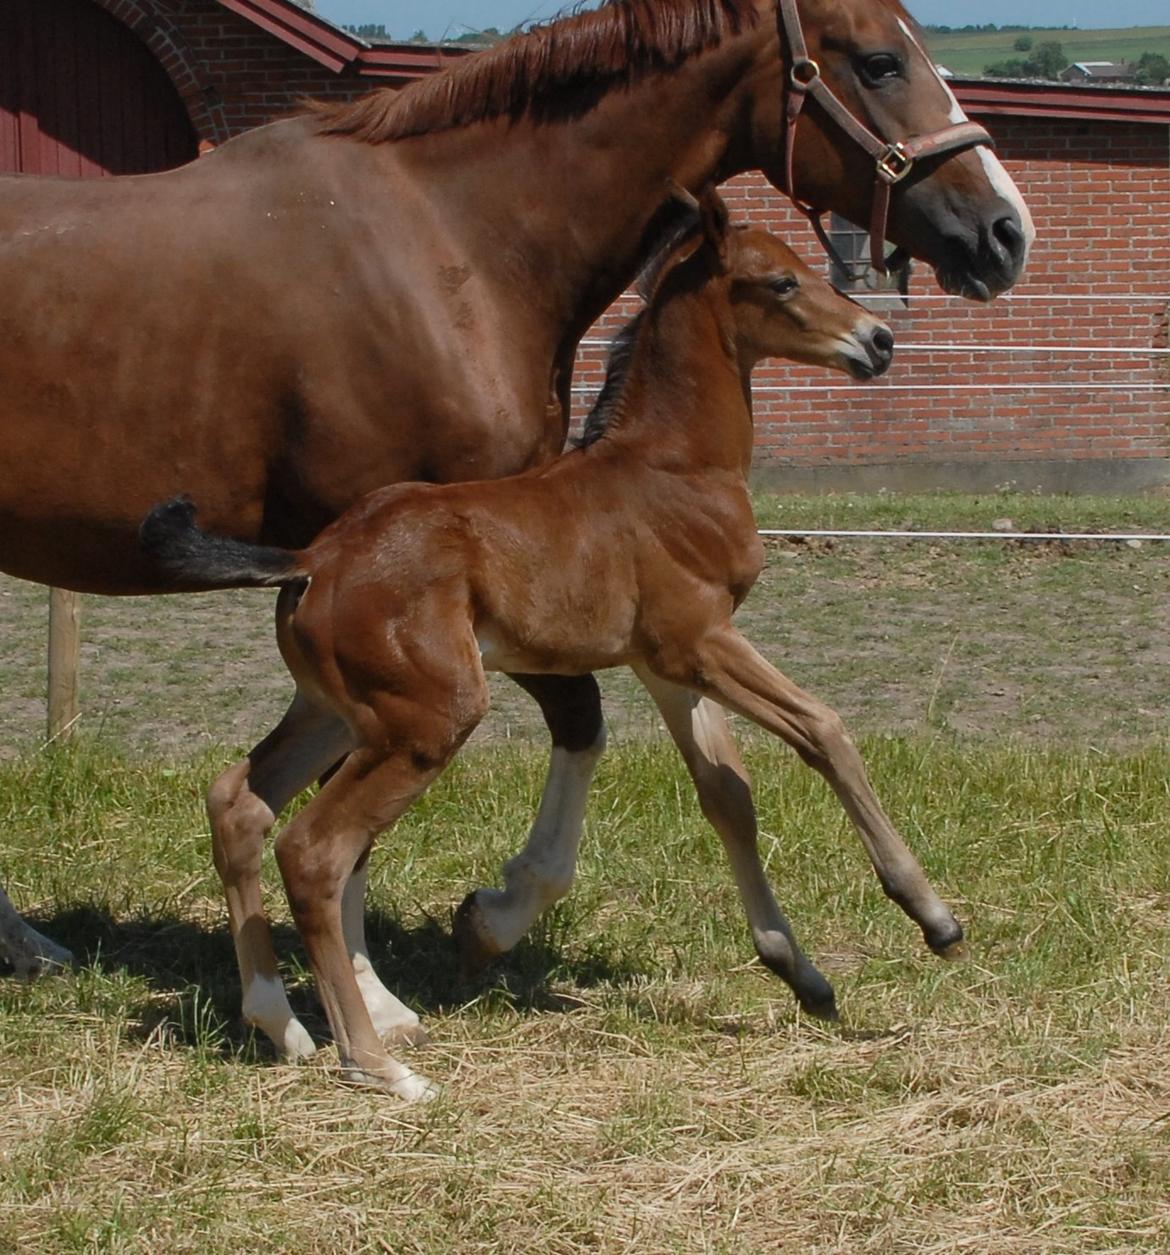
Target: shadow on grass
x,y
190,971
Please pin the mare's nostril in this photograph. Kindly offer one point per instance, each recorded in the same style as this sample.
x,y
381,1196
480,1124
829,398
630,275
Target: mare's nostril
x,y
883,342
1009,235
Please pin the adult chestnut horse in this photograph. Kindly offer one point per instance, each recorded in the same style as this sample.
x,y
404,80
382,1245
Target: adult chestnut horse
x,y
394,289
390,618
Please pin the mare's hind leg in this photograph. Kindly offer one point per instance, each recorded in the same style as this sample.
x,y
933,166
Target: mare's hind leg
x,y
243,804
724,665
699,728
414,738
394,1022
26,949
491,921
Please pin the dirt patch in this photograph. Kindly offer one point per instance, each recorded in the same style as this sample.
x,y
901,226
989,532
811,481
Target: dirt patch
x,y
1035,641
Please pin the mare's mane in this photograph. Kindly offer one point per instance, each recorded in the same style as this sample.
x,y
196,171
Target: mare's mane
x,y
555,70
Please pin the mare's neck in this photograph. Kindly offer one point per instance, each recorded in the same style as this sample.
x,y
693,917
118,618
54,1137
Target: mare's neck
x,y
564,209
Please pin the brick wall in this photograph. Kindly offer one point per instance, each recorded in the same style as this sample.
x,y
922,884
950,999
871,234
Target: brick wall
x,y
1098,281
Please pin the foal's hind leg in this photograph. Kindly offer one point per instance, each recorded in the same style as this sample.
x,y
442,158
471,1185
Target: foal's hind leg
x,y
699,728
491,921
725,666
320,847
243,804
21,945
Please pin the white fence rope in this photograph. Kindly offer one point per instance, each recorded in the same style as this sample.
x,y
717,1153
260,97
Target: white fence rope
x,y
801,533
1024,386
1095,351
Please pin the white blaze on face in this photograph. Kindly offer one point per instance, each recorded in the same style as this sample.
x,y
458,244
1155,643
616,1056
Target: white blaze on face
x,y
997,176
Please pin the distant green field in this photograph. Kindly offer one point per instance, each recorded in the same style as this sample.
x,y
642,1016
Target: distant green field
x,y
969,53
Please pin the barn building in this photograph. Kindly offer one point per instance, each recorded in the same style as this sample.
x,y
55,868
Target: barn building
x,y
1063,385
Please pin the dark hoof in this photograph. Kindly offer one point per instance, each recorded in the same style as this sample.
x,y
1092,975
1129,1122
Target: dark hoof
x,y
954,953
816,998
411,1035
821,1008
477,951
947,943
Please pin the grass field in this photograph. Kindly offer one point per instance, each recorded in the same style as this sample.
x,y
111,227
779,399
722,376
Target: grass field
x,y
630,1078
969,52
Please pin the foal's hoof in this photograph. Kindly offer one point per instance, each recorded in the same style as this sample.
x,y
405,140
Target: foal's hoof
x,y
954,953
412,1035
477,949
411,1088
948,943
815,997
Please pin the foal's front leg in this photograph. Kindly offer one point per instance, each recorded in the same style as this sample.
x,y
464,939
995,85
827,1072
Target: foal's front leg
x,y
491,921
317,853
726,667
699,729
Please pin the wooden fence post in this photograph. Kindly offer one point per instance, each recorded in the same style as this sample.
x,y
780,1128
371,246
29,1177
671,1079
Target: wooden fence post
x,y
64,657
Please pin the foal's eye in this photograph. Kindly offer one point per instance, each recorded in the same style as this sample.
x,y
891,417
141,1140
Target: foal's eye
x,y
881,66
785,285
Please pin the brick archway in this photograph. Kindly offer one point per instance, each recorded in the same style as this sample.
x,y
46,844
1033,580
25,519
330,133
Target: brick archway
x,y
170,49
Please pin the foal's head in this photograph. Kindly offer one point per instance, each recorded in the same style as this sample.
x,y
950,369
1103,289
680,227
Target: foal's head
x,y
770,303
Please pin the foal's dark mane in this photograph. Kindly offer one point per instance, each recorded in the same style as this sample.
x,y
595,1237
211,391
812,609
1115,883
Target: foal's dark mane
x,y
667,255
554,70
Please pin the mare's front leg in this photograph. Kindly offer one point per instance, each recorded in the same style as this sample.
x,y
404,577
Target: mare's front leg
x,y
723,665
699,729
491,921
243,804
27,950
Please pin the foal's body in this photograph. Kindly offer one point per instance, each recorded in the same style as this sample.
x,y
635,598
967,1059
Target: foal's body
x,y
634,550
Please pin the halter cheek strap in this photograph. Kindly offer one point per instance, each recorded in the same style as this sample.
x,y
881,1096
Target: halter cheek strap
x,y
892,161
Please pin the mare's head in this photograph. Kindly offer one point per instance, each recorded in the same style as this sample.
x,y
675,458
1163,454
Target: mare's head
x,y
767,301
863,62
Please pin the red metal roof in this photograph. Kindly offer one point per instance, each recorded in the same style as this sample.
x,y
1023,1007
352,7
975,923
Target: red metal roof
x,y
1080,102
338,50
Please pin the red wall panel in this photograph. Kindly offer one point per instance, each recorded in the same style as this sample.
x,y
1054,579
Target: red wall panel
x,y
81,95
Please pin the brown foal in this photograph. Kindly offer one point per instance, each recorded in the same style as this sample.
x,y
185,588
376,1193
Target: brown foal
x,y
633,550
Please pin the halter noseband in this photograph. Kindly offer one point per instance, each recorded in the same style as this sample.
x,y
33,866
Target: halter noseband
x,y
892,161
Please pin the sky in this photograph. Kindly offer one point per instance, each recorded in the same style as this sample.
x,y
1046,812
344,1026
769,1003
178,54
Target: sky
x,y
439,18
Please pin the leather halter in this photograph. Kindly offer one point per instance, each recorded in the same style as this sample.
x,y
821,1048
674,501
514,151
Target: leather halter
x,y
892,161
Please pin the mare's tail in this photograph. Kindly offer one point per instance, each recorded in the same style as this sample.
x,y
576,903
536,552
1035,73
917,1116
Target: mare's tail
x,y
186,554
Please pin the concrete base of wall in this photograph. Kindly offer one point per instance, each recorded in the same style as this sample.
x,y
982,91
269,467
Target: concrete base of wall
x,y
1107,477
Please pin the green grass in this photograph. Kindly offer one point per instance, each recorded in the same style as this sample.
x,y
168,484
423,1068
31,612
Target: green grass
x,y
630,1077
970,52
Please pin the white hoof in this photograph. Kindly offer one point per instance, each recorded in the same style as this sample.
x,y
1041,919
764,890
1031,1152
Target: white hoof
x,y
415,1088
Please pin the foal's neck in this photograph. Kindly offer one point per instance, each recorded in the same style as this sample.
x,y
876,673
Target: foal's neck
x,y
685,402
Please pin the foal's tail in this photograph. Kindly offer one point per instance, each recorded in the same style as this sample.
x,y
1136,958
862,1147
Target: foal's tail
x,y
186,554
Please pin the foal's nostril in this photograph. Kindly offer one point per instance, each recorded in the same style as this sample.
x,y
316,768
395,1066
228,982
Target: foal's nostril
x,y
883,342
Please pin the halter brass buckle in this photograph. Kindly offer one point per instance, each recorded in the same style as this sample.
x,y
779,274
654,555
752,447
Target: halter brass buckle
x,y
894,163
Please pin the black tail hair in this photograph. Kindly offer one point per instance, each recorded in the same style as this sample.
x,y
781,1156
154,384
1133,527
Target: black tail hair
x,y
184,553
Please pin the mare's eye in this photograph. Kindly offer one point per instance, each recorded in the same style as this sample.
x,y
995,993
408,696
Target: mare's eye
x,y
880,66
785,285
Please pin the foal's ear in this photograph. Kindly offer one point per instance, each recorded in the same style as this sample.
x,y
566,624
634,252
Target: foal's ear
x,y
716,225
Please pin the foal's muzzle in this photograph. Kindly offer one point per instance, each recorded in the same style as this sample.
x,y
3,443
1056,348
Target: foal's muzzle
x,y
873,353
